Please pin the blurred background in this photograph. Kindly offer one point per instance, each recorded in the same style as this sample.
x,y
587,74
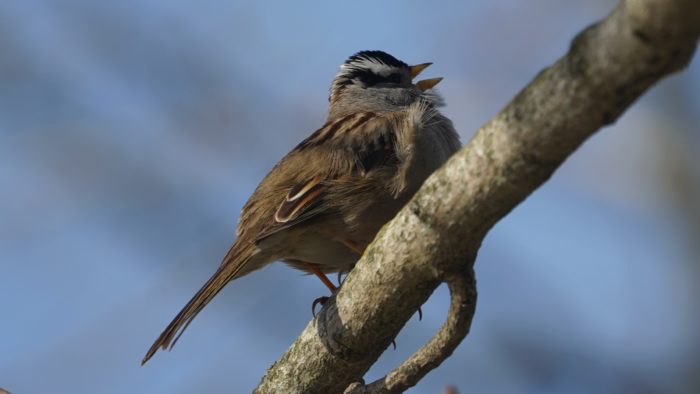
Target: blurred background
x,y
132,132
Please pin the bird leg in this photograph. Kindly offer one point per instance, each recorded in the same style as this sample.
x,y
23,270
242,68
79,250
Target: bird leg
x,y
352,245
316,271
320,300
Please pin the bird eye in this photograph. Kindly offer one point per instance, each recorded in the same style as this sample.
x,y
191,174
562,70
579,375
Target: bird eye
x,y
394,78
369,78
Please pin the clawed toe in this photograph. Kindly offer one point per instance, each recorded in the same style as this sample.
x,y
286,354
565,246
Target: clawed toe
x,y
341,277
319,300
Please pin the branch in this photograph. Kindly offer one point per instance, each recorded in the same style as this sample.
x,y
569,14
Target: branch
x,y
435,238
459,318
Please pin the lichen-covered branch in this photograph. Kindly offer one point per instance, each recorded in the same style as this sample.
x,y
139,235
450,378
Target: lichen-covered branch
x,y
435,238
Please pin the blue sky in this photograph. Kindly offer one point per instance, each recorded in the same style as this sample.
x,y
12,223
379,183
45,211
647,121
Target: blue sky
x,y
131,133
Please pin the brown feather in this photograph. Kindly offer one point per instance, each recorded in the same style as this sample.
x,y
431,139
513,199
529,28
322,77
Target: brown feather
x,y
233,263
337,187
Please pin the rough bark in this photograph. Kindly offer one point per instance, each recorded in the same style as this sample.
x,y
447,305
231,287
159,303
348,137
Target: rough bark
x,y
435,238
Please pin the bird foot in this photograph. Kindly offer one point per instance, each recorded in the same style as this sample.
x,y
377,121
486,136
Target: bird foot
x,y
319,300
341,277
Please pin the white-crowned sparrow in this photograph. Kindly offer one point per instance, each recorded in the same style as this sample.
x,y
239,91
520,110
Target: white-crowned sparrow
x,y
324,202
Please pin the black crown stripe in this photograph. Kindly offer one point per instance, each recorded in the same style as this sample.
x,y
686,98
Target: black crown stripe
x,y
380,56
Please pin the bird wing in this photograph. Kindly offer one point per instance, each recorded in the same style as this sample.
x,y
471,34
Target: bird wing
x,y
342,152
348,156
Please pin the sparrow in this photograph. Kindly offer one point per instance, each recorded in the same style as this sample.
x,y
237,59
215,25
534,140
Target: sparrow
x,y
324,202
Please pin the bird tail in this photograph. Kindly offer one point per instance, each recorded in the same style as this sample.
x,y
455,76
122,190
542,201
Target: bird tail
x,y
235,260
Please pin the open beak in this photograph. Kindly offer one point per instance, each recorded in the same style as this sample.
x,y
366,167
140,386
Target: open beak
x,y
428,83
418,68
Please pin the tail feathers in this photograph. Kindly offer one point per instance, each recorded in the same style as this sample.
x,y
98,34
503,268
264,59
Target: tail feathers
x,y
226,272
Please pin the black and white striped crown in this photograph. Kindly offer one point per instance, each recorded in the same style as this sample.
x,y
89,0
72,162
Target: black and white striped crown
x,y
369,68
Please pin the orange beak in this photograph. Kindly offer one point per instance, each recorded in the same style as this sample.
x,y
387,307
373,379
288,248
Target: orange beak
x,y
418,68
428,83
